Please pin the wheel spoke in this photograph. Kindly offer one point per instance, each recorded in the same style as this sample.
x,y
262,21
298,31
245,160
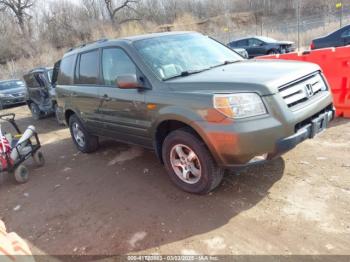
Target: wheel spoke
x,y
180,152
191,156
177,163
195,171
185,174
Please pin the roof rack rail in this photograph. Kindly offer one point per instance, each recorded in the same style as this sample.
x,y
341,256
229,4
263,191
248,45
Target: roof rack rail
x,y
88,43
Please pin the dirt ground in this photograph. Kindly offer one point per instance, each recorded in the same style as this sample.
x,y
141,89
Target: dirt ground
x,y
120,201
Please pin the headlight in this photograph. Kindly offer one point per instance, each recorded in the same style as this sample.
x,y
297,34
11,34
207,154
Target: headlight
x,y
241,105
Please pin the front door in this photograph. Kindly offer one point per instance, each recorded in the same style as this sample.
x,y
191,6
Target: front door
x,y
256,47
123,110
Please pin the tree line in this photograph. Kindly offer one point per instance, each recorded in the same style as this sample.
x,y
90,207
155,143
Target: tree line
x,y
27,25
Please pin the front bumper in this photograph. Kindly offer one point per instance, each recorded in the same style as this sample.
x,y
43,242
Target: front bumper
x,y
9,101
317,125
240,144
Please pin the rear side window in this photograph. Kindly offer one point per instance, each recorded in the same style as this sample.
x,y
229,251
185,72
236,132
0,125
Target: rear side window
x,y
88,72
115,62
65,74
346,33
35,80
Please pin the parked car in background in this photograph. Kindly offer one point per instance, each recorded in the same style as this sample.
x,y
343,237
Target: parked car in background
x,y
198,104
41,93
259,45
12,92
242,52
338,38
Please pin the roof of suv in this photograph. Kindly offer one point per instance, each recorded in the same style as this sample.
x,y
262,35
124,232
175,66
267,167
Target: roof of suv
x,y
100,42
153,35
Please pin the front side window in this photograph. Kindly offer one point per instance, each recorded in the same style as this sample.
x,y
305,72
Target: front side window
x,y
255,42
175,55
242,43
66,71
88,68
115,62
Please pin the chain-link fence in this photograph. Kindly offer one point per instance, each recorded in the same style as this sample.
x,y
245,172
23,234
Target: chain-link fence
x,y
301,31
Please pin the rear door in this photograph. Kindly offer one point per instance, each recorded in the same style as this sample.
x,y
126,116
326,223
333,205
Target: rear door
x,y
36,85
84,92
122,110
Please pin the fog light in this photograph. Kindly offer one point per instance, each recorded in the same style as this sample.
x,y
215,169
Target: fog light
x,y
259,158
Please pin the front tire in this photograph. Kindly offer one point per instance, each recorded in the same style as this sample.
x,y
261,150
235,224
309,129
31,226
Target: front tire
x,y
84,141
189,163
273,52
56,110
21,174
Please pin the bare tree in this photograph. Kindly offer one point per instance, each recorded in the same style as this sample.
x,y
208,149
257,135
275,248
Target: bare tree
x,y
20,9
115,7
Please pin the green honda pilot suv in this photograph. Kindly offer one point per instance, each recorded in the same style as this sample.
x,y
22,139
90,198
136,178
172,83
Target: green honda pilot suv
x,y
197,103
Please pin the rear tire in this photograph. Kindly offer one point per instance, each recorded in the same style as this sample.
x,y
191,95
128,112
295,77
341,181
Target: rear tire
x,y
84,141
196,172
36,114
56,110
21,174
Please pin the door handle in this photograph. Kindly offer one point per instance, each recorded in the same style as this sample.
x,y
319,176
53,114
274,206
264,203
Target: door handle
x,y
106,98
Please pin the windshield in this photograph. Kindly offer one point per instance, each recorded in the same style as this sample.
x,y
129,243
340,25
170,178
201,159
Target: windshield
x,y
181,55
11,84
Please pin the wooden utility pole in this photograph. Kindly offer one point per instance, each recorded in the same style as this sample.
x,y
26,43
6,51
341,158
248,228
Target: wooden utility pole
x,y
298,22
341,10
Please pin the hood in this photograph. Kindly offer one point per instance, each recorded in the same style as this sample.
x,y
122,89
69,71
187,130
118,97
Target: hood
x,y
13,90
262,76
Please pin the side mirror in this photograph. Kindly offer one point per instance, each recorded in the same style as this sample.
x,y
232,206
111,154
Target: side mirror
x,y
128,82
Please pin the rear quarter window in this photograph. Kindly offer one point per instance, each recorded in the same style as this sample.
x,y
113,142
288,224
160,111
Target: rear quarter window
x,y
66,72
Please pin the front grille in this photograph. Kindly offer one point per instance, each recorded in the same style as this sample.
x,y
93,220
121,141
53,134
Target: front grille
x,y
303,90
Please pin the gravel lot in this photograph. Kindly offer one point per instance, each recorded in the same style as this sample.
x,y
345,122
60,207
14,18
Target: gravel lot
x,y
120,201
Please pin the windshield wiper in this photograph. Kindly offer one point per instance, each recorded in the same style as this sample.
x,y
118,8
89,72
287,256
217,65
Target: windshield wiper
x,y
226,63
191,72
186,73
